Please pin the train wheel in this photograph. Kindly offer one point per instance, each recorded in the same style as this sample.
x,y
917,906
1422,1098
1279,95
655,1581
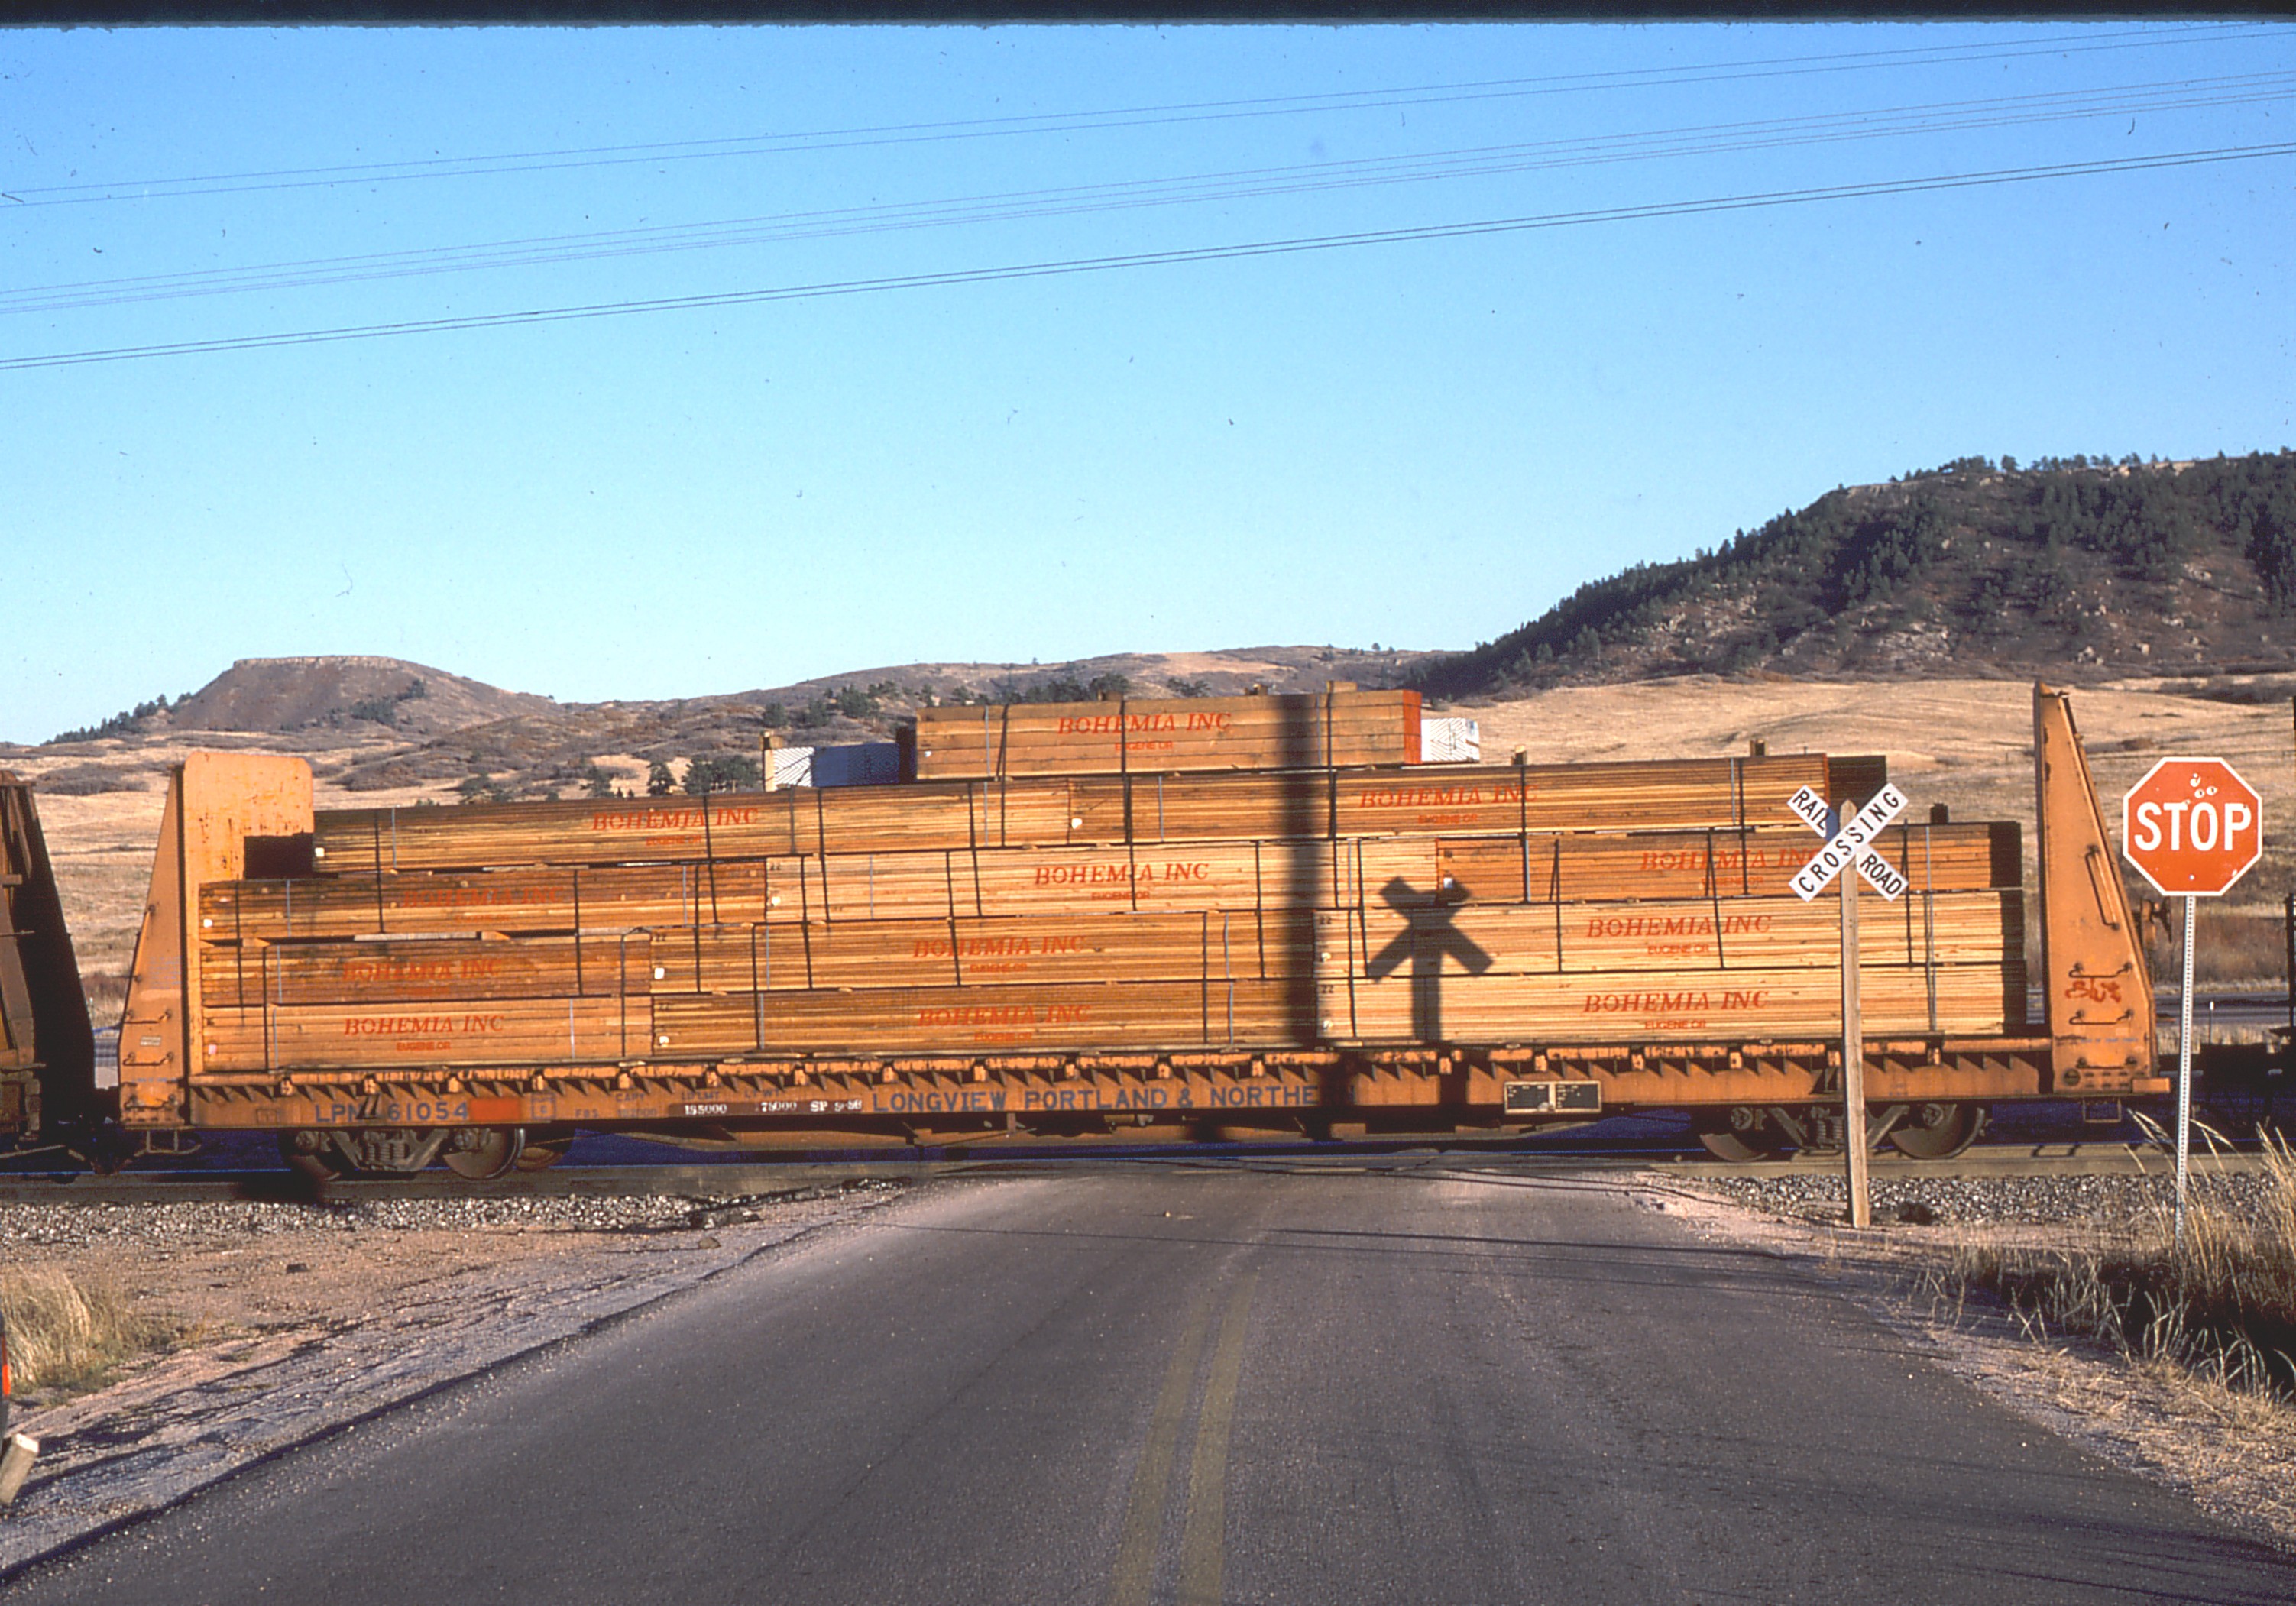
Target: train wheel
x,y
1739,1136
483,1154
541,1153
311,1154
1937,1131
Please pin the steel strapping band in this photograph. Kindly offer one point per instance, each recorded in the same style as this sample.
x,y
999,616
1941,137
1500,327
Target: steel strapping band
x,y
1260,908
1555,897
1124,770
972,836
380,923
1228,969
805,915
1204,975
1353,921
694,901
1522,821
708,851
1714,893
1928,923
821,847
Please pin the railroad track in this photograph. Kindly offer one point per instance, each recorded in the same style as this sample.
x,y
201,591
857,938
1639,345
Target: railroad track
x,y
769,1181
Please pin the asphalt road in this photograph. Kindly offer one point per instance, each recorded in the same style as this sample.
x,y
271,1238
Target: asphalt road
x,y
1226,1383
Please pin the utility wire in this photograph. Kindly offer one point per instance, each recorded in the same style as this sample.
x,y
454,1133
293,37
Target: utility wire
x,y
901,134
1216,253
1710,139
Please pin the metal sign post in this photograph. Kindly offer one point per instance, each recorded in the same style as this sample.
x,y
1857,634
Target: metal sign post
x,y
2193,827
2184,1074
1849,841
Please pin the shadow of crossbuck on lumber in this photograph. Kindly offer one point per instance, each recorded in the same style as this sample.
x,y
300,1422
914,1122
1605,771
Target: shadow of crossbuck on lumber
x,y
1427,936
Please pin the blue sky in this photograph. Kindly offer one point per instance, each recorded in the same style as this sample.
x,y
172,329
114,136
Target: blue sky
x,y
1422,443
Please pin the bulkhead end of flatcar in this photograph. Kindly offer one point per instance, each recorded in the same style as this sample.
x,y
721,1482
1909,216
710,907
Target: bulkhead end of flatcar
x,y
2097,986
47,1048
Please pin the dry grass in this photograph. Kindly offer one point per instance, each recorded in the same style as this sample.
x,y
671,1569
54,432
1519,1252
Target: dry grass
x,y
67,1335
2218,1308
106,991
2229,945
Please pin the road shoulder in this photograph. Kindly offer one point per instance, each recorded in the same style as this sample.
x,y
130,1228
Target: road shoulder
x,y
2233,1455
344,1315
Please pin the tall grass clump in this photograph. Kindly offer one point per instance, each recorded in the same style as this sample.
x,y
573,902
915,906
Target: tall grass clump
x,y
2220,1304
66,1336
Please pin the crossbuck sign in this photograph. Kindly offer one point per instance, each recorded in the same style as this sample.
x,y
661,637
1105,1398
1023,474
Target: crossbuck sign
x,y
1853,844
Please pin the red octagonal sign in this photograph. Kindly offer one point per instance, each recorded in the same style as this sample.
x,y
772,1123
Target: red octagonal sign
x,y
2192,826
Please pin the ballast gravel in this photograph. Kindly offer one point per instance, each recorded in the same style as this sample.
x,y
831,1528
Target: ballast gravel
x,y
44,1226
297,1319
2109,1201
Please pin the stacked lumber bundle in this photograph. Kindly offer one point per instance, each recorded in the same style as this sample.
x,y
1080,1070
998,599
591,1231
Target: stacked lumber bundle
x,y
1701,794
1137,1017
1341,727
1137,911
847,956
1257,874
529,1031
1733,968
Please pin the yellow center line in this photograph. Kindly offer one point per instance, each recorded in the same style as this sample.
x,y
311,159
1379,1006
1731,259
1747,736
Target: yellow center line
x,y
1204,1544
1143,1523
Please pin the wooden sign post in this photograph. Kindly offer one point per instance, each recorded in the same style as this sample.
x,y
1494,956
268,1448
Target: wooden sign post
x,y
1853,1059
1849,841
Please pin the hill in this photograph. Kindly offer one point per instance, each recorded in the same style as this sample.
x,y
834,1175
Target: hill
x,y
319,696
279,695
2077,569
371,723
595,745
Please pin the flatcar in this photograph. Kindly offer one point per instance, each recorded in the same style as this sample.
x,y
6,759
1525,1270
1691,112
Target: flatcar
x,y
1130,920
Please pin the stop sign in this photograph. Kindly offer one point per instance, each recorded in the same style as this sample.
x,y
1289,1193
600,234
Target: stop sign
x,y
2192,826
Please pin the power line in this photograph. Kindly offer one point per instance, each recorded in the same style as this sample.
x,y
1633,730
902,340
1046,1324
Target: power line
x,y
1214,253
1703,140
898,134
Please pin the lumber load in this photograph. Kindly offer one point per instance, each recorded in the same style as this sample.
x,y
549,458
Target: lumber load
x,y
1251,875
1676,936
240,975
724,825
1544,868
1559,868
1734,1006
835,888
1313,731
539,1031
1104,1017
995,952
1750,967
1123,876
1676,794
971,817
